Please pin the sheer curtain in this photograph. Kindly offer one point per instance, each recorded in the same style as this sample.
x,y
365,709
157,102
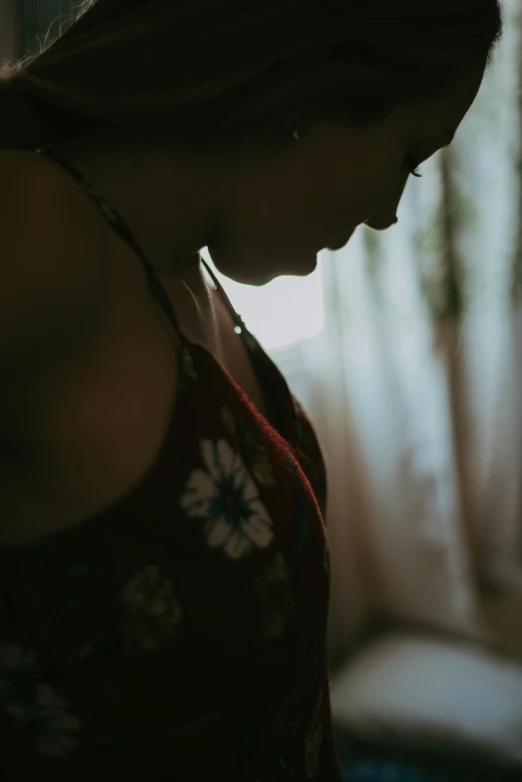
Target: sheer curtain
x,y
406,349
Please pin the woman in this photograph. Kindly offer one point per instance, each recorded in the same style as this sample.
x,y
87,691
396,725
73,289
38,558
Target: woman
x,y
163,561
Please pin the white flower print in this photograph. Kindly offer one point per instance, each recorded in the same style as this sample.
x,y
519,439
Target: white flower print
x,y
226,496
32,701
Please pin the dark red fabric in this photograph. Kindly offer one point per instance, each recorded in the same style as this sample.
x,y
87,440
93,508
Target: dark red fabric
x,y
181,634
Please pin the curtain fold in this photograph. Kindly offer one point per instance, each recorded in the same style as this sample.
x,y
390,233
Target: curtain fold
x,y
415,384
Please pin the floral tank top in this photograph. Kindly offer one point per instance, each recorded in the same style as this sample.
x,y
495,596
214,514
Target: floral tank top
x,y
180,634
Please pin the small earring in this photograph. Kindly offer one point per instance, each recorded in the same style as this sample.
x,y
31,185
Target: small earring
x,y
296,135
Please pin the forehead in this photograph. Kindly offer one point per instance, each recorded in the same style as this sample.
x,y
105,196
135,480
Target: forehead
x,y
450,107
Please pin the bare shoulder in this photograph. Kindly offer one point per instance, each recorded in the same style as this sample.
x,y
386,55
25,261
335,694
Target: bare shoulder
x,y
36,193
33,188
83,406
52,258
52,285
52,305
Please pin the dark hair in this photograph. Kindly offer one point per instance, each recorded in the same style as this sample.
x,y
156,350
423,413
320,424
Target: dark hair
x,y
212,73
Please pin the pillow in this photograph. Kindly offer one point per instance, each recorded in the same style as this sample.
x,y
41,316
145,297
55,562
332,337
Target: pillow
x,y
432,694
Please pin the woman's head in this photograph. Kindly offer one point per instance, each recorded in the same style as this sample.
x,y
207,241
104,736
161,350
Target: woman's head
x,y
369,84
223,74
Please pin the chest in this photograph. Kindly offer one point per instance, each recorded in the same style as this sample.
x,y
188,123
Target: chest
x,y
206,320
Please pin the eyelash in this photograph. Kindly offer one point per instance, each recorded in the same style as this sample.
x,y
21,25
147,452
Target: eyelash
x,y
412,168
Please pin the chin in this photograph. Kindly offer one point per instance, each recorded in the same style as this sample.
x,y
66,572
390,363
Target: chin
x,y
259,271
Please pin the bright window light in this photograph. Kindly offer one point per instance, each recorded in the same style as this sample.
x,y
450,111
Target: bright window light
x,y
284,311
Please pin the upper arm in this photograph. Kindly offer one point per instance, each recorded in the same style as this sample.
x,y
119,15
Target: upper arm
x,y
52,301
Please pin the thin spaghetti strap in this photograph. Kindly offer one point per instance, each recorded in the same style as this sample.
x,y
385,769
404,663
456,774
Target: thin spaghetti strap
x,y
240,325
121,227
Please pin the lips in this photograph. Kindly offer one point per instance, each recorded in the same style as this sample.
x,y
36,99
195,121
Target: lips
x,y
339,241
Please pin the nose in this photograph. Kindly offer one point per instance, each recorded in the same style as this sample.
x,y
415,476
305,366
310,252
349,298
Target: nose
x,y
381,225
386,216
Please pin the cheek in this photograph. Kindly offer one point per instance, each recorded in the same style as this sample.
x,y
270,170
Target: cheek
x,y
278,214
365,191
267,202
348,206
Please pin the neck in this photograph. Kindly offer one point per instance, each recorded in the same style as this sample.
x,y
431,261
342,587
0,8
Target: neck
x,y
171,201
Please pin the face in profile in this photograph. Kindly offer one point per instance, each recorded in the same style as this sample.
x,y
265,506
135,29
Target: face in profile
x,y
283,210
